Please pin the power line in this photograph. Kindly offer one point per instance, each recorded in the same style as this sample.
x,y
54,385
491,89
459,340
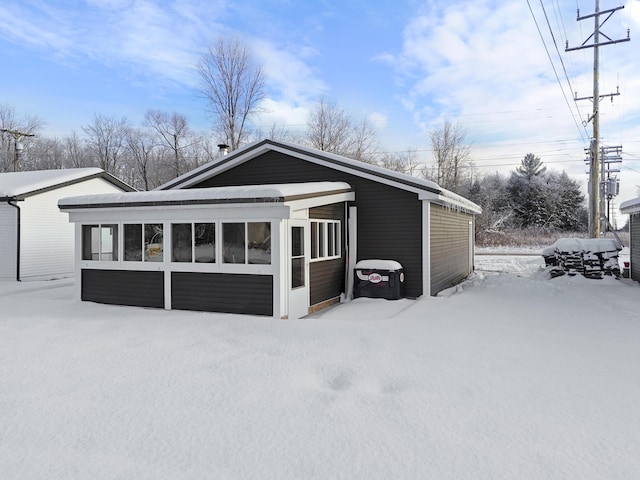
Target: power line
x,y
564,69
551,60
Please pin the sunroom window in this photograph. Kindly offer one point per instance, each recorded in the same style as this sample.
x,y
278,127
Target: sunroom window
x,y
193,242
100,242
246,242
143,242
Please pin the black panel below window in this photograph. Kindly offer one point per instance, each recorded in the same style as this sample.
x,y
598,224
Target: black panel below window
x,y
123,287
221,292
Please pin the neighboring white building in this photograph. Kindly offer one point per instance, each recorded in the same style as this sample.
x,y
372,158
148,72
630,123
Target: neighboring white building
x,y
36,239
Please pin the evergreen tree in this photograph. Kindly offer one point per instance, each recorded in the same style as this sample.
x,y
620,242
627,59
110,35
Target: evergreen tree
x,y
542,199
531,166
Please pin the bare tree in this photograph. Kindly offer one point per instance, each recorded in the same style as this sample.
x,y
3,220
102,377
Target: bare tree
x,y
450,153
276,132
44,154
106,141
234,85
75,153
363,145
141,151
172,132
404,162
329,128
10,121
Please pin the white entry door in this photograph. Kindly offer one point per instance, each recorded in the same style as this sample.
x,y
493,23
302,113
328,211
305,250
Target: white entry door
x,y
298,269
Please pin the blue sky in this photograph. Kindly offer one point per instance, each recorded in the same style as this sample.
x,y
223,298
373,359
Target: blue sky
x,y
404,64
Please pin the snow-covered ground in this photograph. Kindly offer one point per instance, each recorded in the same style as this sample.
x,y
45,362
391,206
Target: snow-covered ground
x,y
508,376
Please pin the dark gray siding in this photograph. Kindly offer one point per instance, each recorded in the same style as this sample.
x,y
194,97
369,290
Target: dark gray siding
x,y
634,251
389,219
222,292
123,287
327,279
449,247
335,211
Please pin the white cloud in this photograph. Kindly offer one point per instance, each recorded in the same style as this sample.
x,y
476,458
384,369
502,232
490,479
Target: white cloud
x,y
289,71
157,42
378,120
283,115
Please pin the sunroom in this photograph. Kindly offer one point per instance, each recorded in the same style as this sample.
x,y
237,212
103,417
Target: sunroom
x,y
244,249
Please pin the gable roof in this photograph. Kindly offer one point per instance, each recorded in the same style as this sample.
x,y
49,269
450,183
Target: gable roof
x,y
20,185
425,189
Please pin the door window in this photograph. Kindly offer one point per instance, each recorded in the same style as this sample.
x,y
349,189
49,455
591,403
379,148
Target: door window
x,y
297,257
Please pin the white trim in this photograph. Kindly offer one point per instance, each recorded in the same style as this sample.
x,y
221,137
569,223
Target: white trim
x,y
77,262
168,288
352,248
471,247
276,239
337,242
426,248
285,274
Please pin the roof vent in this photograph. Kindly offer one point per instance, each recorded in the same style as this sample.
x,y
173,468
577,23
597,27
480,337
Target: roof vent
x,y
223,149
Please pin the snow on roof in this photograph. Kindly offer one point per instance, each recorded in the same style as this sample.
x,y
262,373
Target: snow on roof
x,y
584,245
358,167
13,184
630,206
263,193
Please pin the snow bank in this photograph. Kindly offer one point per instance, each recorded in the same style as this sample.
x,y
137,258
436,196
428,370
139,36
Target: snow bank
x,y
513,376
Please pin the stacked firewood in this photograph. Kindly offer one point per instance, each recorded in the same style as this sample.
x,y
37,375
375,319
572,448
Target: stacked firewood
x,y
592,257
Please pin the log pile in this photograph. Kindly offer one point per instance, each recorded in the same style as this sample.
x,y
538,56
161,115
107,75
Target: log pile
x,y
591,257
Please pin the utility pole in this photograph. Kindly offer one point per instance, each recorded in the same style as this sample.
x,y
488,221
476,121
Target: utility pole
x,y
595,217
18,147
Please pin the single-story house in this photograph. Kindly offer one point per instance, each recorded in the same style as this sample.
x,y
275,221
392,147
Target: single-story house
x,y
37,239
271,229
632,207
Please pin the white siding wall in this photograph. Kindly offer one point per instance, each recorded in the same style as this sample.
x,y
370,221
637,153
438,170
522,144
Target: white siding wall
x,y
47,236
8,221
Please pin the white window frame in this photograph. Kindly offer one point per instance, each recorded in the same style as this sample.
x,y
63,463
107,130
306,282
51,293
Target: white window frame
x,y
118,241
193,224
246,242
143,259
336,227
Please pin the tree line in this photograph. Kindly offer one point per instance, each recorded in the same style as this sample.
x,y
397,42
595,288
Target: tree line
x,y
164,146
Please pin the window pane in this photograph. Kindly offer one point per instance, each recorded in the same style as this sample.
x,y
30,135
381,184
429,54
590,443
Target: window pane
x,y
233,242
133,243
297,241
336,238
109,243
314,239
297,272
322,250
153,242
331,239
181,242
259,234
205,242
90,242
